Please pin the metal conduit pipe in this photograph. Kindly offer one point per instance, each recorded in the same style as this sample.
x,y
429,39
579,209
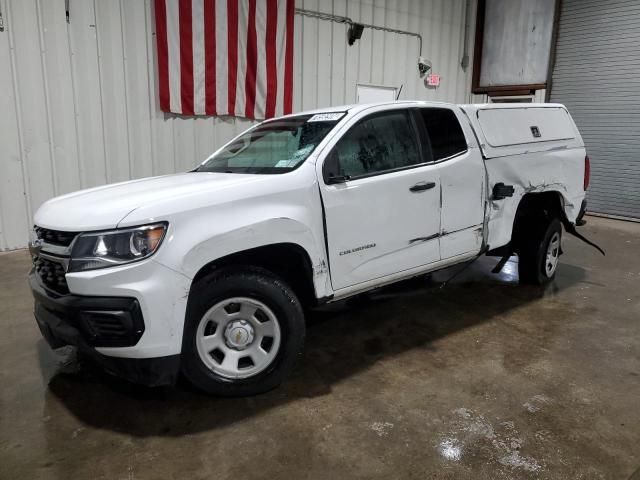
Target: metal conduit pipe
x,y
339,19
464,63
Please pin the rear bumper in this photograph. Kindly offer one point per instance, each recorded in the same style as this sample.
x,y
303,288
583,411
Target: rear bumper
x,y
583,209
88,322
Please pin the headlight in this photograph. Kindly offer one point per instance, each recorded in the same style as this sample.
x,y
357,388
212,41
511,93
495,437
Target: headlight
x,y
116,247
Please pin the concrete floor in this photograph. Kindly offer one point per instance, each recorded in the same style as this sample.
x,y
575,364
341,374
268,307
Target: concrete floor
x,y
482,379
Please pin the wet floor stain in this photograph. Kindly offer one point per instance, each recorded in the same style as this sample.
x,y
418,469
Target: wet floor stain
x,y
501,441
381,428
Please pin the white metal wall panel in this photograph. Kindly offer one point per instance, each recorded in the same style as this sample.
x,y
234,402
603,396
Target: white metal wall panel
x,y
89,97
78,100
31,102
14,200
596,75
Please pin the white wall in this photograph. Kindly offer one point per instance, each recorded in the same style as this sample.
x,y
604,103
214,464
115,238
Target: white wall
x,y
538,97
78,102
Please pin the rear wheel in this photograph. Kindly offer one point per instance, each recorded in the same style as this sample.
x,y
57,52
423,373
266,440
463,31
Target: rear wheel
x,y
244,331
539,252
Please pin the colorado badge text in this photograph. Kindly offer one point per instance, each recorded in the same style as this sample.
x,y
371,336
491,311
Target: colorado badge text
x,y
357,249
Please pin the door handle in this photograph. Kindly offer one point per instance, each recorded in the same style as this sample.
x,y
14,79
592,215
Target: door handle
x,y
422,186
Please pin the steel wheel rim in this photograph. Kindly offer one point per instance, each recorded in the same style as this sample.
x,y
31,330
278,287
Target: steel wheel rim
x,y
238,337
553,254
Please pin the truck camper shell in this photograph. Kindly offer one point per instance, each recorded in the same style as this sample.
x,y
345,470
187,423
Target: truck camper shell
x,y
517,129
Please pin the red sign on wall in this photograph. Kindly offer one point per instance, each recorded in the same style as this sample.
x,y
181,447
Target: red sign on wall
x,y
433,80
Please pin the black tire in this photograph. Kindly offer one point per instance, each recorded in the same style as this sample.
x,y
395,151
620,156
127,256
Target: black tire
x,y
532,252
258,284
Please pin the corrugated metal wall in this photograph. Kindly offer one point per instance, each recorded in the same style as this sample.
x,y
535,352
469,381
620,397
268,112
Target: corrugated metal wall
x,y
596,74
78,103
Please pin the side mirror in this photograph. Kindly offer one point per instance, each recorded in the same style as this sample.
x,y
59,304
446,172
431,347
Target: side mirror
x,y
334,179
330,168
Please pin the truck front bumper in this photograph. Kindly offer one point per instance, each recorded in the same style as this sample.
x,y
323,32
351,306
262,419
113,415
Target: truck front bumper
x,y
113,330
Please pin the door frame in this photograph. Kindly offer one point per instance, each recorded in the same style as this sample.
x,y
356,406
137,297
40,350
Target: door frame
x,y
326,148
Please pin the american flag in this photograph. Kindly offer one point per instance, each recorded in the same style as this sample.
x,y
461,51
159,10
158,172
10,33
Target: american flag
x,y
225,57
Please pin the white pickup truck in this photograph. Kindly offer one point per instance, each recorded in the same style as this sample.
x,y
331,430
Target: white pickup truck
x,y
208,272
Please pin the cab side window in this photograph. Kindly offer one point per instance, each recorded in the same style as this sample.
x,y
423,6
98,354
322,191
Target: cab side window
x,y
445,133
374,145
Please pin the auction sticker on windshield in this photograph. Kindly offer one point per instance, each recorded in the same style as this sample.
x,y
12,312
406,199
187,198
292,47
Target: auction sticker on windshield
x,y
326,117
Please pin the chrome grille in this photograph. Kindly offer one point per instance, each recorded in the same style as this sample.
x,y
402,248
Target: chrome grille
x,y
55,237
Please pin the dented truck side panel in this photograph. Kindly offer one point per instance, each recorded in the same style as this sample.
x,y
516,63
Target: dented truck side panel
x,y
532,149
531,173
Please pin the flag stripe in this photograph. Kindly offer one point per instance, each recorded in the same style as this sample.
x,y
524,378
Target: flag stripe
x,y
197,36
288,64
261,64
281,36
243,18
225,57
210,56
252,62
163,54
173,37
232,45
198,56
272,73
222,78
186,57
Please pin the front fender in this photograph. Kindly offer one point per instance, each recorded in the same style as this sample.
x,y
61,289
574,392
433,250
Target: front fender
x,y
260,234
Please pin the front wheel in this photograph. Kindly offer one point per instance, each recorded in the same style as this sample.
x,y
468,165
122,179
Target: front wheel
x,y
540,252
244,331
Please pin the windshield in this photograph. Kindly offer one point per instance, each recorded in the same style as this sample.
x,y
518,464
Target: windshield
x,y
276,146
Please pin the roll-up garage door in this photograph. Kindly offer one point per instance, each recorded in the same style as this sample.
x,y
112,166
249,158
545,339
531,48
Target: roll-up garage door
x,y
597,76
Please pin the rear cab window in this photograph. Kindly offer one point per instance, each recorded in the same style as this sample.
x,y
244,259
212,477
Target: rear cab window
x,y
444,133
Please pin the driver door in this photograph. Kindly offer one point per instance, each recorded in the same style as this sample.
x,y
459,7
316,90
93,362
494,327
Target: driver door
x,y
381,197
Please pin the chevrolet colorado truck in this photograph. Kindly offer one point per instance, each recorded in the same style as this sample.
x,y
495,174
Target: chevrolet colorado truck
x,y
207,273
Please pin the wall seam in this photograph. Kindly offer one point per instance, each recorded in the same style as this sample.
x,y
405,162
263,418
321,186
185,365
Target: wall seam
x,y
151,84
318,61
373,33
74,80
344,60
331,62
302,22
126,94
358,62
47,103
16,96
3,241
107,169
384,43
